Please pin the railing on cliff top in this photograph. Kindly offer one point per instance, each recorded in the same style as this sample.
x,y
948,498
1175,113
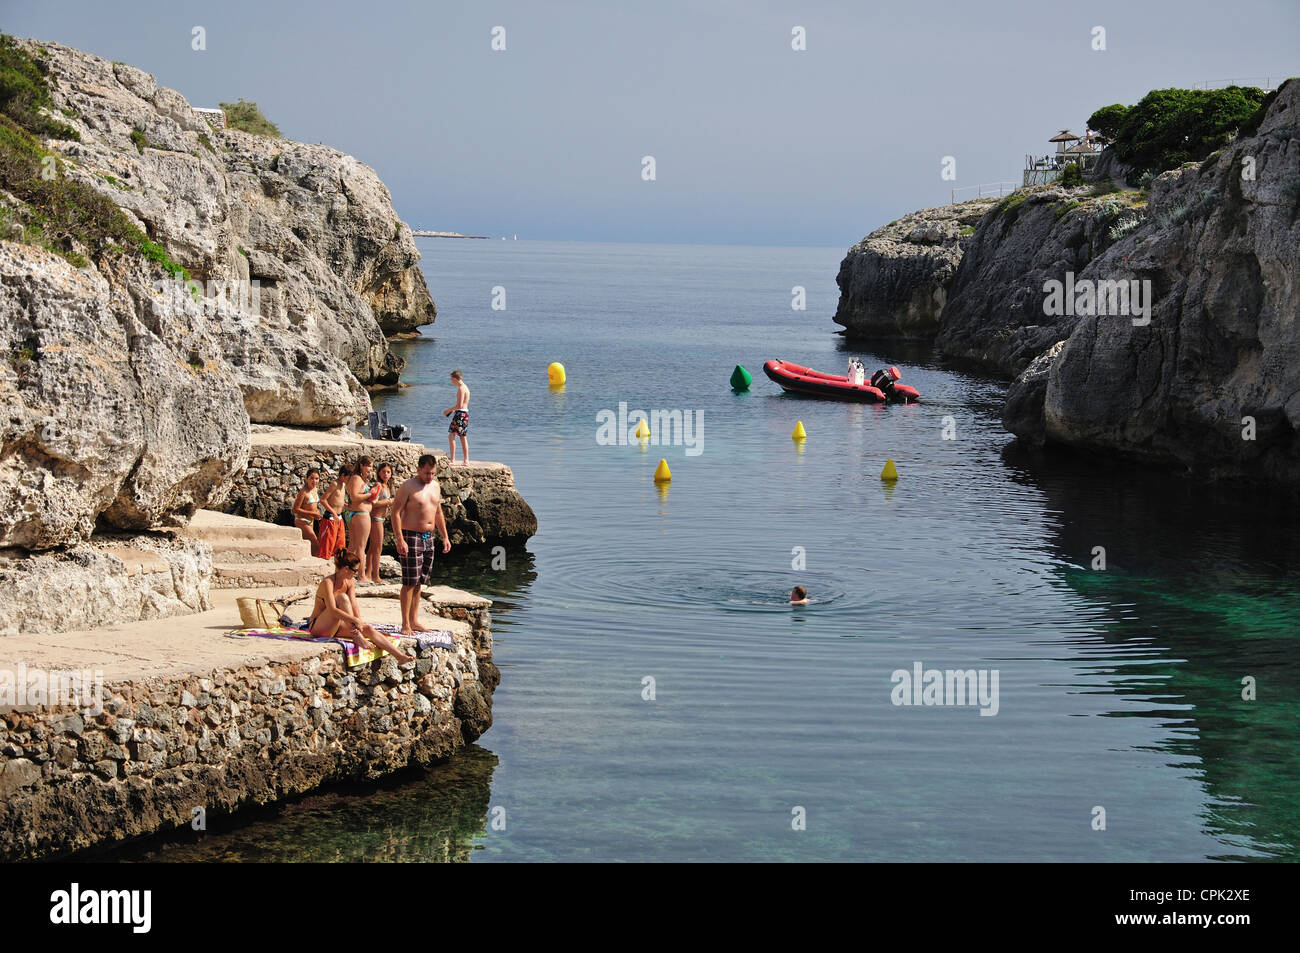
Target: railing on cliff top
x,y
1267,85
987,190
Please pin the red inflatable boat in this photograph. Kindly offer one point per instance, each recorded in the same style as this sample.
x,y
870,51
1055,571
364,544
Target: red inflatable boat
x,y
804,380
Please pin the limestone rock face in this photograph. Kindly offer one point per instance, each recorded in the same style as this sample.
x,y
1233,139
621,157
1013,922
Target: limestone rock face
x,y
111,580
895,282
332,268
995,317
1022,414
116,411
1212,383
128,396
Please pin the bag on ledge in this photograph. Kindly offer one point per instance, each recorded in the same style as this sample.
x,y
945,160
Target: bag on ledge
x,y
262,613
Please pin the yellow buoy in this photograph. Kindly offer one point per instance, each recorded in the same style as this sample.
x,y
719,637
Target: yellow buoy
x,y
662,473
642,431
799,432
890,472
555,374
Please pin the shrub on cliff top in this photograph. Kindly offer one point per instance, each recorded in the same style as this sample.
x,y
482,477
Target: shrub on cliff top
x,y
1172,126
1107,119
247,117
1010,206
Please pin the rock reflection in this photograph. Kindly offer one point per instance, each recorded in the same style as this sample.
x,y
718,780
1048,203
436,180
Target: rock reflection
x,y
1199,586
438,816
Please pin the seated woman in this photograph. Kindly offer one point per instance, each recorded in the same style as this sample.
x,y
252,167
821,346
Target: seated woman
x,y
378,513
336,615
306,509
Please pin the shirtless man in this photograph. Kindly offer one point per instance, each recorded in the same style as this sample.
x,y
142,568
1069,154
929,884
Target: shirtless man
x,y
333,534
417,512
459,421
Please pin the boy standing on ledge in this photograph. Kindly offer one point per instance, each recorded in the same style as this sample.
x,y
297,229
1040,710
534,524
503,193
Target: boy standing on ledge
x,y
417,512
459,421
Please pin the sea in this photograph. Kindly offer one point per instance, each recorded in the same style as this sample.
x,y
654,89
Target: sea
x,y
1007,655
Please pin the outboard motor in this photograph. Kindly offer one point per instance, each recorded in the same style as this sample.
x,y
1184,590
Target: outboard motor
x,y
884,379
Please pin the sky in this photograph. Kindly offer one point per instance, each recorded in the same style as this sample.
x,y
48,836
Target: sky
x,y
753,141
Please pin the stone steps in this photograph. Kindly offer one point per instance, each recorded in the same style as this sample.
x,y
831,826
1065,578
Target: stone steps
x,y
300,572
252,554
260,550
211,526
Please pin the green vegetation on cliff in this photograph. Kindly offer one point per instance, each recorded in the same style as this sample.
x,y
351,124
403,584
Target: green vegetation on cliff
x,y
64,216
25,92
247,117
1172,126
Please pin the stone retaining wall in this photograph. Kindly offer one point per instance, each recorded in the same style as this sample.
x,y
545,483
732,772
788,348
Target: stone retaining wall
x,y
219,740
480,501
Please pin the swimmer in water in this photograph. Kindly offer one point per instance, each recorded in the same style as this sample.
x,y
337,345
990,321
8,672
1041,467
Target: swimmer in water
x,y
798,596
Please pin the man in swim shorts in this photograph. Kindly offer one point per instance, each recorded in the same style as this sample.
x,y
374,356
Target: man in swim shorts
x,y
417,514
459,426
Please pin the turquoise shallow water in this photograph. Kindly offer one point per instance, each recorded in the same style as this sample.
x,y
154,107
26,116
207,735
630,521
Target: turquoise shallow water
x,y
1118,688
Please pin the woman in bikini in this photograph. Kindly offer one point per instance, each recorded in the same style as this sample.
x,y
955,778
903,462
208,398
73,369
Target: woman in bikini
x,y
306,509
361,497
378,513
336,615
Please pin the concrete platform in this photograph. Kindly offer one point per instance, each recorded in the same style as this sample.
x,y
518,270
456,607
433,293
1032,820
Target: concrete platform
x,y
183,716
196,644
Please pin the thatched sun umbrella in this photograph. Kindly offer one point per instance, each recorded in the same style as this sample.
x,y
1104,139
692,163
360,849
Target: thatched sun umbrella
x,y
1062,137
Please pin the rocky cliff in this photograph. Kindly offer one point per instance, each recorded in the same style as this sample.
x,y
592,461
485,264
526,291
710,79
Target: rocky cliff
x,y
1212,383
894,283
995,316
970,276
1207,380
128,394
314,228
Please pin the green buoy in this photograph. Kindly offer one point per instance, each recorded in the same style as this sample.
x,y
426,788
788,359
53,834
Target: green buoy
x,y
741,379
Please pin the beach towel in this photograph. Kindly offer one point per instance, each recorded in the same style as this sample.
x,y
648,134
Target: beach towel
x,y
332,537
441,638
355,654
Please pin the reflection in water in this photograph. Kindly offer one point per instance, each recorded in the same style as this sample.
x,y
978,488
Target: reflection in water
x,y
436,816
1118,687
488,571
1194,609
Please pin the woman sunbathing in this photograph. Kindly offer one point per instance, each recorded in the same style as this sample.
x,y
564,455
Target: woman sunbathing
x,y
336,615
